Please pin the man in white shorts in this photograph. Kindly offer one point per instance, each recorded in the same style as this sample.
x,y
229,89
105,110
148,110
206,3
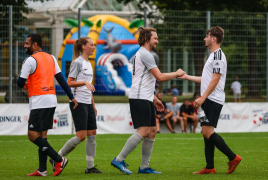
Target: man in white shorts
x,y
236,88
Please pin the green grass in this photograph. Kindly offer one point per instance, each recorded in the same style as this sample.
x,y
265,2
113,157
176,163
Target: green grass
x,y
175,155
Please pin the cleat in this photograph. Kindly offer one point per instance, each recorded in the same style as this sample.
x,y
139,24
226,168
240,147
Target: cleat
x,y
52,162
206,171
148,170
93,170
60,166
233,164
38,173
121,165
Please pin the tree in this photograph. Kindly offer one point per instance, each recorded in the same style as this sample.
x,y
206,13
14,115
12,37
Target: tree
x,y
198,33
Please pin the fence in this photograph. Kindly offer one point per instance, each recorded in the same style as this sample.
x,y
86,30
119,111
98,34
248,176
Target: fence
x,y
181,45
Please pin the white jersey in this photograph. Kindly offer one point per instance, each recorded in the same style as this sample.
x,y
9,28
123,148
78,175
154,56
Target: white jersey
x,y
236,86
81,70
216,63
40,101
143,81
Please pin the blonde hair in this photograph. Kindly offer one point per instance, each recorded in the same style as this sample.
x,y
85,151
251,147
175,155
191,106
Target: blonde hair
x,y
78,46
145,35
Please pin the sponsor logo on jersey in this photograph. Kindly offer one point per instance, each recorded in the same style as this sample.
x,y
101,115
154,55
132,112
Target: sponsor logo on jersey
x,y
10,119
216,70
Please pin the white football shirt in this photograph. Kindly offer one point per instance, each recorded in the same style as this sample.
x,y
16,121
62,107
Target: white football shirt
x,y
236,86
81,70
143,81
216,63
41,101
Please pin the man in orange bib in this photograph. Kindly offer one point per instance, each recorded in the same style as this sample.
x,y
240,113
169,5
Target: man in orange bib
x,y
40,69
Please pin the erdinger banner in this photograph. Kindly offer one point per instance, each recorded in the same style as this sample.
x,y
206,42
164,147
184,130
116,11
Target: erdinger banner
x,y
243,117
14,119
114,119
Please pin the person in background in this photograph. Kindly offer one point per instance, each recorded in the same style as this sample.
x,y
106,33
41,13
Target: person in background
x,y
163,116
175,108
236,88
188,114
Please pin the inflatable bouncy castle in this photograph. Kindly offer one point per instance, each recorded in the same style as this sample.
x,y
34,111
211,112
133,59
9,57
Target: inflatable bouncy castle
x,y
116,44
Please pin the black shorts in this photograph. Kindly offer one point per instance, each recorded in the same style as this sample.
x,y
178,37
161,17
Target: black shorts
x,y
190,120
83,116
142,113
212,111
41,119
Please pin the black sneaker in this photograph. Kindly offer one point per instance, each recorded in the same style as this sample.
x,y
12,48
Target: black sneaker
x,y
93,170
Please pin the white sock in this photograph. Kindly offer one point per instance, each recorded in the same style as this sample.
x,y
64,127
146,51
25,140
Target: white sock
x,y
147,148
90,151
69,146
130,145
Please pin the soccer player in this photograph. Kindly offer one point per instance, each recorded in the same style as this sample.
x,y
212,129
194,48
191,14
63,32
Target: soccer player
x,y
212,99
143,102
40,69
84,116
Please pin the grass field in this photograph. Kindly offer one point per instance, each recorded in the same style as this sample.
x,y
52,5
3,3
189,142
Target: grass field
x,y
175,155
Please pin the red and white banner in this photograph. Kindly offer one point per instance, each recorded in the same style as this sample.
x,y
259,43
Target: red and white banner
x,y
14,119
116,119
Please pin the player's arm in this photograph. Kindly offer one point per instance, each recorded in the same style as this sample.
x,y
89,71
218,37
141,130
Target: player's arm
x,y
62,82
165,76
212,85
158,104
196,79
74,71
27,68
73,83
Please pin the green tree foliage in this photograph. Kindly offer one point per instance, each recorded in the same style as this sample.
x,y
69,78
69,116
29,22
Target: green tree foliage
x,y
243,35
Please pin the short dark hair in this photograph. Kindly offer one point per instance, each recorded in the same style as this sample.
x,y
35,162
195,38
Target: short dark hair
x,y
187,100
145,35
217,32
36,38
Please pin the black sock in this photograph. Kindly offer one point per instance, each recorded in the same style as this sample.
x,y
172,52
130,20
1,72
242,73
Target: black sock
x,y
222,146
42,159
45,147
209,153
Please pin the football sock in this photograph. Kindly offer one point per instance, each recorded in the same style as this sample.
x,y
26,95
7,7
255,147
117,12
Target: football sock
x,y
130,145
209,153
45,147
42,159
147,148
69,146
222,146
90,151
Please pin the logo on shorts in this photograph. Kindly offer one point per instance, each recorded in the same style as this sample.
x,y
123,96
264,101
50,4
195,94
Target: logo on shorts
x,y
44,148
31,126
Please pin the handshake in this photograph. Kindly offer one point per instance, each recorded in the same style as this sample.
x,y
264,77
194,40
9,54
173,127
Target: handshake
x,y
181,74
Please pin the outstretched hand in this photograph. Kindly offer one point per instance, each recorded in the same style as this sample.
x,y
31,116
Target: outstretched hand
x,y
185,76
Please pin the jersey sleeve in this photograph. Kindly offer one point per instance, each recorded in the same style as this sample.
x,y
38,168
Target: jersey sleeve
x,y
75,69
148,60
218,66
57,67
28,67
